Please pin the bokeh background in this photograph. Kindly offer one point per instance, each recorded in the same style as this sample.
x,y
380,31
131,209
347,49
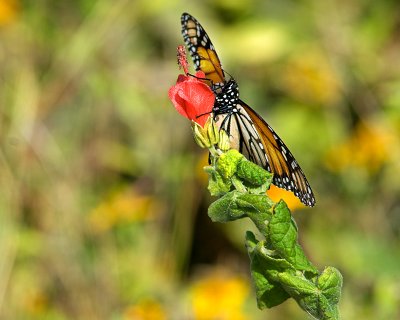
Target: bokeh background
x,y
103,200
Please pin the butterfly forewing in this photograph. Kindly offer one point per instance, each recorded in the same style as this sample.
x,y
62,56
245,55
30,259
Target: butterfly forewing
x,y
201,49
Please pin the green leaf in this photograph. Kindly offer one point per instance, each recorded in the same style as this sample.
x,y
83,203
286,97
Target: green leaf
x,y
254,203
303,291
283,236
318,299
255,178
264,271
297,285
227,163
217,185
226,209
330,282
235,205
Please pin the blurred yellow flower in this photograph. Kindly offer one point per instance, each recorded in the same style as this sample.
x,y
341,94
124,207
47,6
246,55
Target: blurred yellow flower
x,y
291,200
368,148
36,302
310,78
145,310
219,296
125,206
8,11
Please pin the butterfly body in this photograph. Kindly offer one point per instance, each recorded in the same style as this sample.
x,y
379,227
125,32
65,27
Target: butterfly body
x,y
227,99
249,133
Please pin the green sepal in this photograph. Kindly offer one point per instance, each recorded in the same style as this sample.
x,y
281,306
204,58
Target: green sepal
x,y
212,131
224,143
200,135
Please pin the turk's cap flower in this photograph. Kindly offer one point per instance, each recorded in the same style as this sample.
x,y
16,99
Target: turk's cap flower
x,y
192,98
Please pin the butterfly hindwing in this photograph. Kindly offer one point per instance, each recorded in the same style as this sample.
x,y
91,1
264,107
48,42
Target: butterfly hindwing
x,y
281,162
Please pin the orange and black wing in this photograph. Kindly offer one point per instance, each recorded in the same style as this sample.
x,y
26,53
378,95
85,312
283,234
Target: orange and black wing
x,y
201,49
255,139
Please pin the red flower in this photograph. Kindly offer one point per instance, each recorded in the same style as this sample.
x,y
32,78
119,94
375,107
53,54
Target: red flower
x,y
192,98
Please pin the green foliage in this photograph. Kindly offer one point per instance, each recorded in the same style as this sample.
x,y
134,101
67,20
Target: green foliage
x,y
279,266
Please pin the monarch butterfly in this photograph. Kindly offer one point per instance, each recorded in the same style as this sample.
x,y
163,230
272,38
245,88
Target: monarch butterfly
x,y
249,133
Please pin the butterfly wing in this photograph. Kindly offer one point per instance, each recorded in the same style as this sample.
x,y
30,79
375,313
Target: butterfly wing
x,y
255,139
201,49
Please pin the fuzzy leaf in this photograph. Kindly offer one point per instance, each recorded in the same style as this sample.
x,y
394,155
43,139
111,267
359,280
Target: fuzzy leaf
x,y
283,236
217,185
235,205
255,178
310,297
264,272
226,209
330,282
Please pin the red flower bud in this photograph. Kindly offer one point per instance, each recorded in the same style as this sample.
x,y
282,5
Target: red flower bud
x,y
192,98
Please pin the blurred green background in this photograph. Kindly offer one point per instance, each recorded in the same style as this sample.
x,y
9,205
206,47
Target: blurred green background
x,y
103,201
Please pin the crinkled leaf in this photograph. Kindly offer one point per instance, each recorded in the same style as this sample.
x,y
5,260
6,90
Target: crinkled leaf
x,y
226,209
264,271
330,282
297,285
254,203
318,299
255,178
283,236
217,185
235,205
